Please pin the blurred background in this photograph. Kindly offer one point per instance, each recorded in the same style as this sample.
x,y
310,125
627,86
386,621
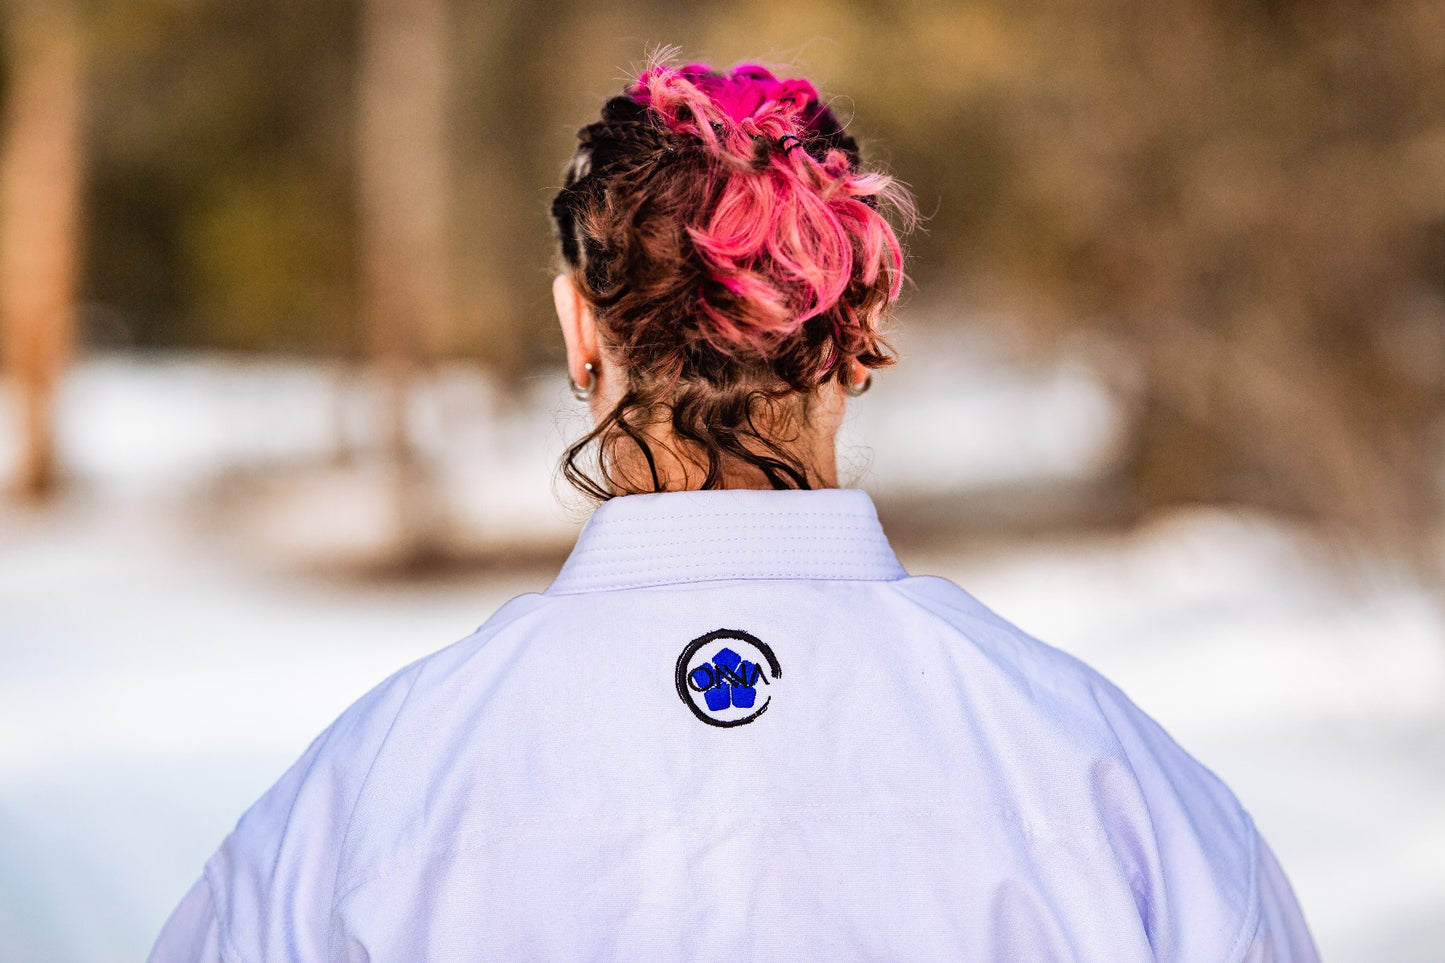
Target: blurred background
x,y
281,398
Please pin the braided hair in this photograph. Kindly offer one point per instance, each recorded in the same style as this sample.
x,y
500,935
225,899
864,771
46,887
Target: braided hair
x,y
730,243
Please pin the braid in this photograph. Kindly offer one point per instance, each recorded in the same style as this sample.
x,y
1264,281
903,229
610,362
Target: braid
x,y
623,140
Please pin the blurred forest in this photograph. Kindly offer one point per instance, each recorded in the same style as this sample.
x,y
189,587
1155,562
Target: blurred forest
x,y
1240,204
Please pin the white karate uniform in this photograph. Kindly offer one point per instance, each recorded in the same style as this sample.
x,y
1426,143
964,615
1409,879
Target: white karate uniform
x,y
735,729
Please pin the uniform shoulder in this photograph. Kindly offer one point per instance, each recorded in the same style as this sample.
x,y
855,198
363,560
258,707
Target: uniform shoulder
x,y
353,738
1042,669
351,742
1139,775
511,619
273,874
1057,680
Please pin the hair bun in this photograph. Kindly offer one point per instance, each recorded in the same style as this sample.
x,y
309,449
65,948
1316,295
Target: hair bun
x,y
787,231
691,214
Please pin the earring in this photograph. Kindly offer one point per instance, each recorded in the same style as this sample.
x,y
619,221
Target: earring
x,y
854,390
584,392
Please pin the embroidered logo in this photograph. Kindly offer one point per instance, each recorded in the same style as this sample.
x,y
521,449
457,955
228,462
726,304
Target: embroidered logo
x,y
726,677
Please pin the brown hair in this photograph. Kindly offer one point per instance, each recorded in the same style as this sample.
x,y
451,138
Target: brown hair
x,y
733,265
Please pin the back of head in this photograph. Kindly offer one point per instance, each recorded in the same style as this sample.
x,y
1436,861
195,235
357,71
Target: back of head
x,y
729,242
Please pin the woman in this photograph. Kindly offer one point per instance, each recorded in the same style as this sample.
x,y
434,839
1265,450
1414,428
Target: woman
x,y
734,727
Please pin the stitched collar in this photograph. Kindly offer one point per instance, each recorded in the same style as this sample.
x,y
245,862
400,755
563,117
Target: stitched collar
x,y
676,537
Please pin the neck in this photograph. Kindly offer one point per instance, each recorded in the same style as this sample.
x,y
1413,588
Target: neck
x,y
798,429
681,467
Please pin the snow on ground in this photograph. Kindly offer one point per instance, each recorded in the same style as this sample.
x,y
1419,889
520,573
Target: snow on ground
x,y
167,646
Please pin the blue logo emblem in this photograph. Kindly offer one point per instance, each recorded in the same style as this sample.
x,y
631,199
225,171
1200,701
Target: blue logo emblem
x,y
726,677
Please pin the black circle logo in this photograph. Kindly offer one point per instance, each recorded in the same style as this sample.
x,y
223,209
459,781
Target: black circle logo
x,y
727,676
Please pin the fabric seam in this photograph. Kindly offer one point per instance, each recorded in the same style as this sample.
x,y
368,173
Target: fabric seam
x,y
361,789
571,589
1252,916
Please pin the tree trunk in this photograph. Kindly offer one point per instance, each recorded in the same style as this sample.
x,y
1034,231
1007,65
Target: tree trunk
x,y
40,175
401,183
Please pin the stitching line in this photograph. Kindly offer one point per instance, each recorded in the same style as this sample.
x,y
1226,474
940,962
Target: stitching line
x,y
577,586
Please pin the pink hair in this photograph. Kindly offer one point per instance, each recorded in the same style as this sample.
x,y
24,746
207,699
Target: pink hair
x,y
790,230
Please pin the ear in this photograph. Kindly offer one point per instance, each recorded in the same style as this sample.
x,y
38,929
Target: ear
x,y
579,329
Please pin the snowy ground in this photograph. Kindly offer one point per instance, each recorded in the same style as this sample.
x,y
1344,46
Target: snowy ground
x,y
172,635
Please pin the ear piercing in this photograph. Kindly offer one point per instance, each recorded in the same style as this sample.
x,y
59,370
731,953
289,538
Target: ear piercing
x,y
586,391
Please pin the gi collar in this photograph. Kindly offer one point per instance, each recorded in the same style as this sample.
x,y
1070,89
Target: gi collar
x,y
678,537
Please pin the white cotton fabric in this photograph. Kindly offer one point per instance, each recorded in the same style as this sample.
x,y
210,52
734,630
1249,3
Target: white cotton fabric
x,y
926,783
